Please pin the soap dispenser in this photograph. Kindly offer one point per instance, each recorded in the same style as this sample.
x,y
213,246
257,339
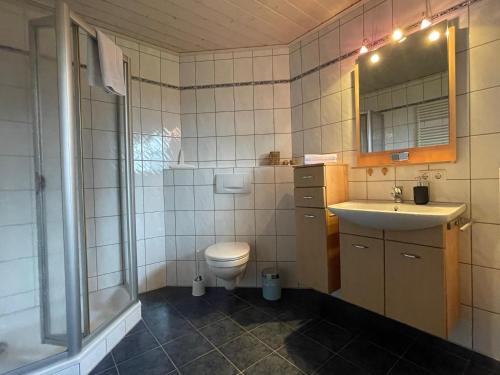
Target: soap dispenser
x,y
421,192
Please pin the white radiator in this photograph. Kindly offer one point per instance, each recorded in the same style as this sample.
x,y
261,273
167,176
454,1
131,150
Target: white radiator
x,y
432,123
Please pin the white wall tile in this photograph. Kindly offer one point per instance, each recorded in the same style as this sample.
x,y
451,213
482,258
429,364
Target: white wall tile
x,y
263,68
224,99
486,283
224,223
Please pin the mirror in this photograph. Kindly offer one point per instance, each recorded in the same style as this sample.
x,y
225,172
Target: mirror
x,y
405,100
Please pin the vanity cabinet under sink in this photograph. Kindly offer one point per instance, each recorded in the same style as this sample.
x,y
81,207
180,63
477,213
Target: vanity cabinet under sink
x,y
362,271
409,276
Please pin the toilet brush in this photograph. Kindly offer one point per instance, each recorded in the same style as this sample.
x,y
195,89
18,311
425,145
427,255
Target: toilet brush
x,y
198,283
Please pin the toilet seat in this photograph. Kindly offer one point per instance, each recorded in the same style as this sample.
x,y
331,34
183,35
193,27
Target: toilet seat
x,y
227,254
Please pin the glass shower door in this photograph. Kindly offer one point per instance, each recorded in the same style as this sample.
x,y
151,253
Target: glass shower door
x,y
48,188
109,251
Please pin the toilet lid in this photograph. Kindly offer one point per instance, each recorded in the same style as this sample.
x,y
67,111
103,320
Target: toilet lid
x,y
225,251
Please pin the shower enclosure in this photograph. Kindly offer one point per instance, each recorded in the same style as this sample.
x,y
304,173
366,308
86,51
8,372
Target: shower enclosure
x,y
67,228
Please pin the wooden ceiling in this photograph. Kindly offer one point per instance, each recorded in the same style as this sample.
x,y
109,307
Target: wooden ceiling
x,y
198,25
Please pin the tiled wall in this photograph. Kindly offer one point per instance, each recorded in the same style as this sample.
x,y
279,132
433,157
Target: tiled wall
x,y
323,121
234,110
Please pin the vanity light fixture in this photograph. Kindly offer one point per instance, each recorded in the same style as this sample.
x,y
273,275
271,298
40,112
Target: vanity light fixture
x,y
375,58
397,34
434,35
364,48
427,16
425,23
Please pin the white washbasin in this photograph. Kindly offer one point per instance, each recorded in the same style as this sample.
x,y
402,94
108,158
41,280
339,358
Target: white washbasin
x,y
397,216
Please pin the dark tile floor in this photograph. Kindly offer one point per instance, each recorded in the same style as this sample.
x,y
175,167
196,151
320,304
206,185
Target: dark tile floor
x,y
305,332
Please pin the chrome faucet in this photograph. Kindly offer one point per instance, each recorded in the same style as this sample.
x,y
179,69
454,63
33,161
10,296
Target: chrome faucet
x,y
397,193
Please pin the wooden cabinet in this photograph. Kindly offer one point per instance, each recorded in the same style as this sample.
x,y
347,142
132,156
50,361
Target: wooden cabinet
x,y
414,280
317,229
409,276
362,271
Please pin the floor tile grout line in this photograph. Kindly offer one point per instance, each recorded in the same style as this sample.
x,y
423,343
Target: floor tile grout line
x,y
248,332
275,351
210,342
215,347
337,353
161,346
401,356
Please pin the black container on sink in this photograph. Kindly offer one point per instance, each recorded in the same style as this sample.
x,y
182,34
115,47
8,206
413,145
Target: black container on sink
x,y
421,193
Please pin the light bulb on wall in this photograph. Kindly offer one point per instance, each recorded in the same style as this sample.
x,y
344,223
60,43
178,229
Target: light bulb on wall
x,y
434,35
375,58
397,34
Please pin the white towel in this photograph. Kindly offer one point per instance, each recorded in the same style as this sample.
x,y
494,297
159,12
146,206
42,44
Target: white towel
x,y
105,65
93,66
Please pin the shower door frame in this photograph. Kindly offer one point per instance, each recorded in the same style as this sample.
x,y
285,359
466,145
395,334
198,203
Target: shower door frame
x,y
65,23
125,149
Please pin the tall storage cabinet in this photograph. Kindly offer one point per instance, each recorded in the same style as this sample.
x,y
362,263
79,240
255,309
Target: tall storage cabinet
x,y
318,254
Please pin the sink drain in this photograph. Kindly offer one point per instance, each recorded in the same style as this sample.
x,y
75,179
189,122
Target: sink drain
x,y
3,347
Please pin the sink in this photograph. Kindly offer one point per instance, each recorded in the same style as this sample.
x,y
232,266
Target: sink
x,y
397,216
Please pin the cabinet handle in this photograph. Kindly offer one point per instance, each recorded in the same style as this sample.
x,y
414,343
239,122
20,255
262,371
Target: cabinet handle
x,y
309,216
307,197
357,246
411,256
307,177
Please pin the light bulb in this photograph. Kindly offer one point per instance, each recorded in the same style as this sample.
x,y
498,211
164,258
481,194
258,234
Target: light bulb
x,y
397,34
363,49
425,23
434,35
375,58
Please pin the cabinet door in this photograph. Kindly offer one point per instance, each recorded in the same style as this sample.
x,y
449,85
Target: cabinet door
x,y
414,283
312,261
362,271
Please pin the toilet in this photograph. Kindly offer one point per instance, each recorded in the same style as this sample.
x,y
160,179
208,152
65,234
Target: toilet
x,y
228,261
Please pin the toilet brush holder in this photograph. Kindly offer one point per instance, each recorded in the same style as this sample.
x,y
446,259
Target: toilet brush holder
x,y
198,286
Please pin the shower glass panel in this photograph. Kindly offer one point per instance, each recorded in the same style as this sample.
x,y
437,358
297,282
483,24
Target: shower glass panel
x,y
104,145
40,263
30,191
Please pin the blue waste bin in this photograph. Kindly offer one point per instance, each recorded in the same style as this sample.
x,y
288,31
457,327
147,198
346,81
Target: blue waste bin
x,y
271,287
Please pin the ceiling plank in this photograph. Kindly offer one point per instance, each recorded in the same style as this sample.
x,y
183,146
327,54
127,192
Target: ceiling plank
x,y
311,8
260,37
172,15
291,12
104,10
269,15
337,6
125,25
242,17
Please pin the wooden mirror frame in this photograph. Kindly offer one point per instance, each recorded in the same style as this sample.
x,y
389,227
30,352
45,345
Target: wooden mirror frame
x,y
417,155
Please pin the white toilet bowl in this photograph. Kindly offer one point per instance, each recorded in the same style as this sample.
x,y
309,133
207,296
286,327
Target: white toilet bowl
x,y
228,261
